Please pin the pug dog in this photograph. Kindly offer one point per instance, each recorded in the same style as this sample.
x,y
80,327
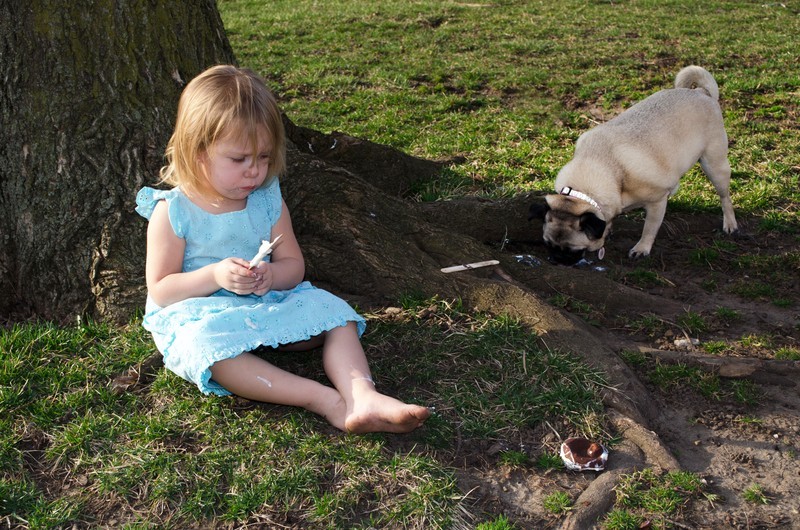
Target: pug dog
x,y
634,161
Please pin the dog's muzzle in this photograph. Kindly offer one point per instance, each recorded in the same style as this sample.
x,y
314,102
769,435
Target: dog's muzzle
x,y
564,256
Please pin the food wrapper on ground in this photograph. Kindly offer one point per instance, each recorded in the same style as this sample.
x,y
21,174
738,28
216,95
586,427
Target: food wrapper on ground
x,y
580,454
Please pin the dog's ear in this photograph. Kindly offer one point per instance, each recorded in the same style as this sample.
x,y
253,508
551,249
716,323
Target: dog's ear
x,y
538,210
592,225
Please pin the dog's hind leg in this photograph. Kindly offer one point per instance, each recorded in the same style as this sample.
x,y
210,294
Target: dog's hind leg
x,y
652,222
718,170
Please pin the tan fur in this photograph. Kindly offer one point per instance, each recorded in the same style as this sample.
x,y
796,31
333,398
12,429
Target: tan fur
x,y
637,159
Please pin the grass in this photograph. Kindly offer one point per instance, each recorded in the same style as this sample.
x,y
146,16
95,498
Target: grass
x,y
557,503
655,497
672,377
583,309
162,454
641,277
715,347
787,354
755,494
727,315
693,323
512,84
550,461
761,273
508,85
647,323
486,390
501,523
515,458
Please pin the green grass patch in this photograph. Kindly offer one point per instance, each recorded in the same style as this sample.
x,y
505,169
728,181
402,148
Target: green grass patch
x,y
501,523
488,376
787,354
766,276
745,391
648,495
669,377
757,341
515,458
649,324
633,358
180,459
583,309
167,456
754,290
547,461
755,494
557,503
645,278
693,323
715,347
703,257
709,285
511,85
727,316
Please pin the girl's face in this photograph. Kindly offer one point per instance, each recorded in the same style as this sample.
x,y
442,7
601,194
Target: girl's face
x,y
231,170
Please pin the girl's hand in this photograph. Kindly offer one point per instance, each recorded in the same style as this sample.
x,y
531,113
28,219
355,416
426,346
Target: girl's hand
x,y
265,278
234,275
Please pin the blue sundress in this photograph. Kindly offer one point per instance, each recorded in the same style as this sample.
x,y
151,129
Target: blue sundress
x,y
195,333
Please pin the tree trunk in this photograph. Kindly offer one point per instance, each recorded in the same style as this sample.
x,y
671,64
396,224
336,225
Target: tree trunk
x,y
88,103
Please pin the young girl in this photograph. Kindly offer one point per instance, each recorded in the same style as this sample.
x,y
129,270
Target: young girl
x,y
207,308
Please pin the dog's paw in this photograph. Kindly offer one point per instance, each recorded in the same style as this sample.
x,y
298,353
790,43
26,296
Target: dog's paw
x,y
638,252
642,247
730,228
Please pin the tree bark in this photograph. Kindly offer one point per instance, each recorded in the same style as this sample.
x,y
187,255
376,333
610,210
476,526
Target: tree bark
x,y
88,103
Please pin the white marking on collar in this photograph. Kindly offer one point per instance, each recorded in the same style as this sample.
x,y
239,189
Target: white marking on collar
x,y
566,190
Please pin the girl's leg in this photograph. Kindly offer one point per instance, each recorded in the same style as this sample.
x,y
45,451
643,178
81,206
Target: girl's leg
x,y
367,410
251,377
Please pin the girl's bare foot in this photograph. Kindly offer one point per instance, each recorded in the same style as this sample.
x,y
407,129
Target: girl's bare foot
x,y
331,407
380,413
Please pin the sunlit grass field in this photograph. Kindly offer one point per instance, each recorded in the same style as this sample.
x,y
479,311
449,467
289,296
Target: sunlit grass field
x,y
507,85
511,85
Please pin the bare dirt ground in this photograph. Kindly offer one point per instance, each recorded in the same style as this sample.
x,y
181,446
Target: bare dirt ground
x,y
746,292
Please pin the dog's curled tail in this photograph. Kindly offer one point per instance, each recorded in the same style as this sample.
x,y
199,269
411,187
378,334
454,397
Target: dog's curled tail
x,y
697,77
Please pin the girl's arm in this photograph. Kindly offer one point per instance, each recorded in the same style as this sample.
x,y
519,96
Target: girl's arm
x,y
286,268
167,284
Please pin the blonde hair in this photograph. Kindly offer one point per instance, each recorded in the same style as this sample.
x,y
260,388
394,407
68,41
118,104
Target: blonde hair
x,y
221,101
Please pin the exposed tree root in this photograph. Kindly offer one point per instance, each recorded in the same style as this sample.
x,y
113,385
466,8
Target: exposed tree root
x,y
648,441
778,372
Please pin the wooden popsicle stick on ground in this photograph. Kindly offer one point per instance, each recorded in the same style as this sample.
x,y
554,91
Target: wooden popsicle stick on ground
x,y
470,266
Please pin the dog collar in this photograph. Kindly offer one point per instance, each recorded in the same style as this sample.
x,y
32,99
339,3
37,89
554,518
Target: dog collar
x,y
566,190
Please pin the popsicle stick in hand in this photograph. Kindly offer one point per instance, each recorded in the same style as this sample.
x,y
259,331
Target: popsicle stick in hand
x,y
263,251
